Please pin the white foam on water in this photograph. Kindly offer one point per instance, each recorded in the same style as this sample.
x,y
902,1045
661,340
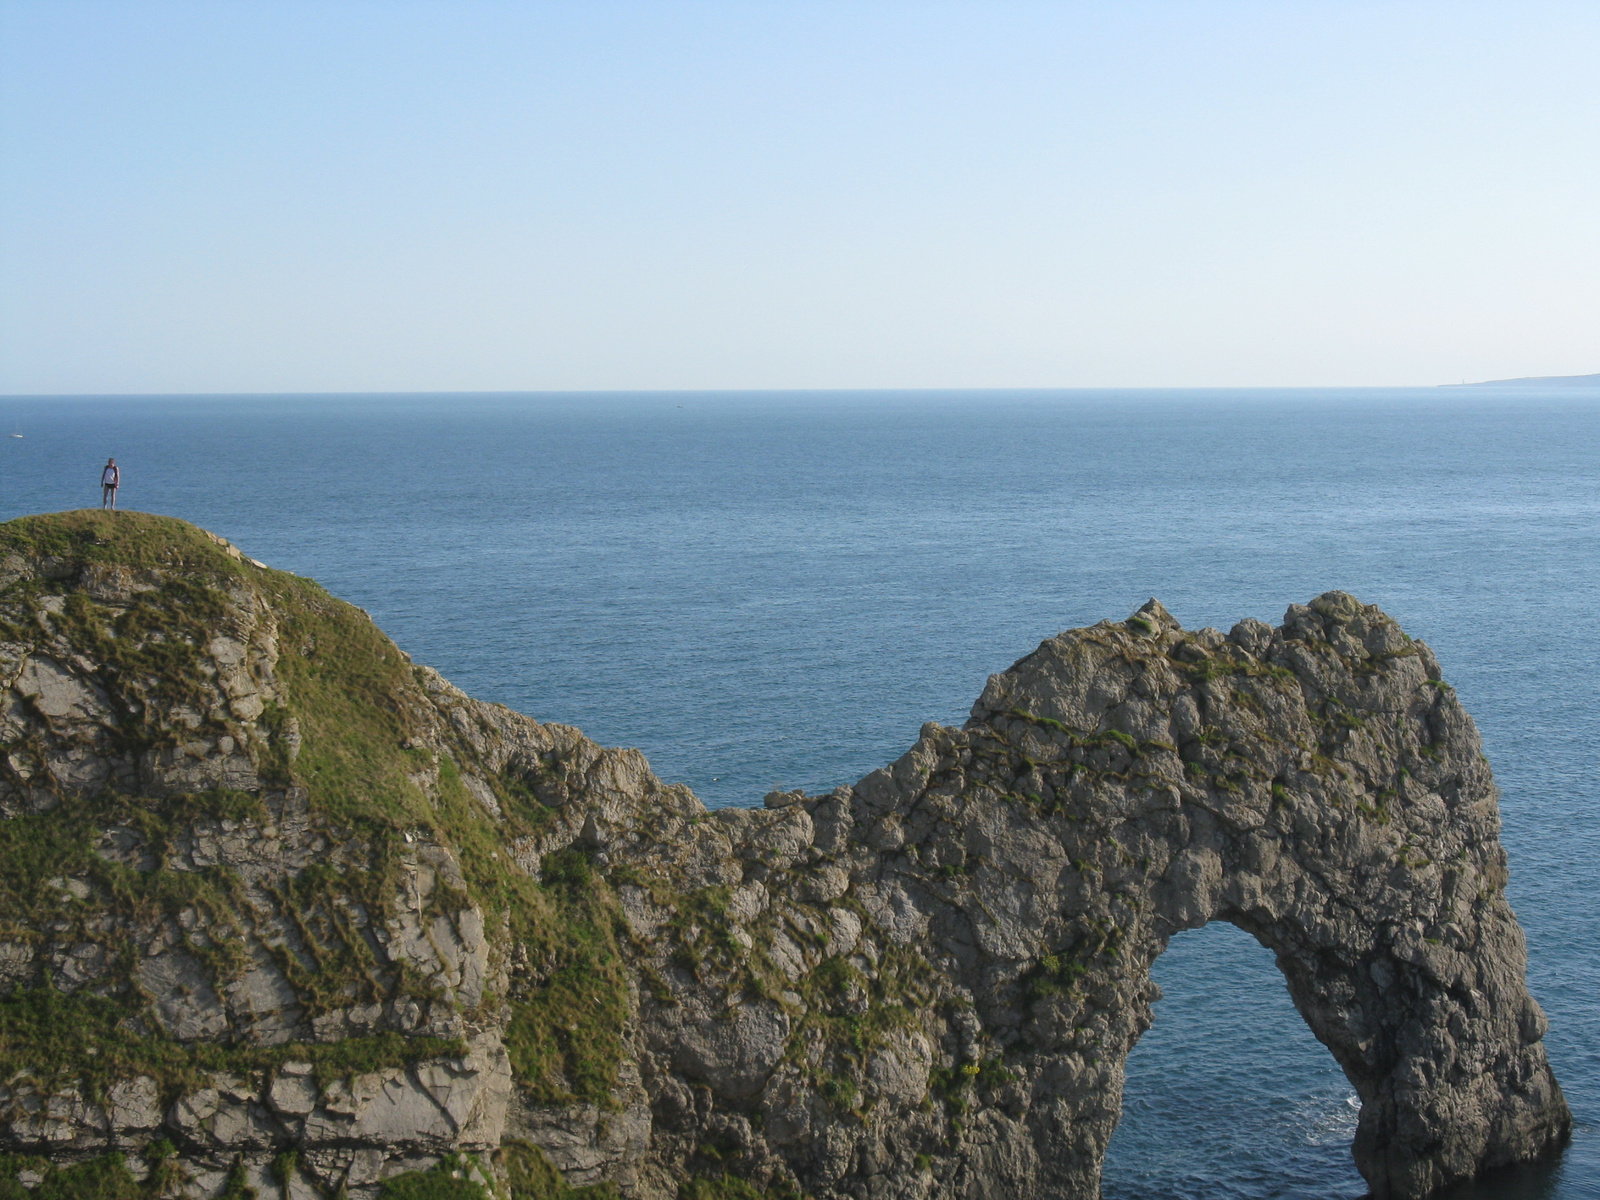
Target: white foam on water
x,y
1329,1120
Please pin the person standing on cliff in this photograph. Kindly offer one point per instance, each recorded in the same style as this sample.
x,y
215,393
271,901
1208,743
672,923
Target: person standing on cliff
x,y
110,481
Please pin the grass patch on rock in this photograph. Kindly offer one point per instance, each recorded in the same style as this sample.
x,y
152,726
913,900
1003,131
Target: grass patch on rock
x,y
59,1038
103,1178
530,1176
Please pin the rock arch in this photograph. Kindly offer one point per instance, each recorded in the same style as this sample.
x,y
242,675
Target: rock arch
x,y
1229,1092
1317,785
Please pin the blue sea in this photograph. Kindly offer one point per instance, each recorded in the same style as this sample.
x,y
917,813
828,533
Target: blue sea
x,y
778,589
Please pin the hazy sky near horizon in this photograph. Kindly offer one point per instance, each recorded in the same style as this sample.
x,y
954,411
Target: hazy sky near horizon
x,y
317,196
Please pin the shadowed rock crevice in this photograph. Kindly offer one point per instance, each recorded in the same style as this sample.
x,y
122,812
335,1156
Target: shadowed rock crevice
x,y
271,890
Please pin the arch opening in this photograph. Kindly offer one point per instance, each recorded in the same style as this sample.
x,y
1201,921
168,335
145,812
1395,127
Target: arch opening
x,y
1229,1094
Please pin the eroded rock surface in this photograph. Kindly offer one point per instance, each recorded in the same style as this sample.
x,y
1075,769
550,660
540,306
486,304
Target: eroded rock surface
x,y
325,910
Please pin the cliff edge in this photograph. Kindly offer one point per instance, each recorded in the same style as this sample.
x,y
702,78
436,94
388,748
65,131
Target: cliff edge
x,y
284,914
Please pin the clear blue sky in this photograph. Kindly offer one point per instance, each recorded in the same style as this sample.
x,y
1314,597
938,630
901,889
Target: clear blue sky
x,y
340,195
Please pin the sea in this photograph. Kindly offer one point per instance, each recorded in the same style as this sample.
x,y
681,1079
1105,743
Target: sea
x,y
777,589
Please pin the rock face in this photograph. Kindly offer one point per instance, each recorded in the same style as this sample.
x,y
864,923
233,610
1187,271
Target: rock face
x,y
274,895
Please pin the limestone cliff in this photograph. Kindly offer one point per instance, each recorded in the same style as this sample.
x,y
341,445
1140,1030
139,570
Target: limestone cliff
x,y
283,913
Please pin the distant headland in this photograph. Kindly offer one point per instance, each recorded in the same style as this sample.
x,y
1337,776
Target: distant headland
x,y
1553,381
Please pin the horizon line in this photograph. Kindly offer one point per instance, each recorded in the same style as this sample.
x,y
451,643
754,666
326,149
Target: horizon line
x,y
1536,381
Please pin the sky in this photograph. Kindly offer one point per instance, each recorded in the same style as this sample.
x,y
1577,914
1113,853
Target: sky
x,y
260,197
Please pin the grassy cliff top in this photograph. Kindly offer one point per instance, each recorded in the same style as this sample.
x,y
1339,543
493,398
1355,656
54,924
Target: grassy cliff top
x,y
146,596
138,541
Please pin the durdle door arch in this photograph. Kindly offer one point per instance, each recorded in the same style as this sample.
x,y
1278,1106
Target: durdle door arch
x,y
1369,1026
1317,786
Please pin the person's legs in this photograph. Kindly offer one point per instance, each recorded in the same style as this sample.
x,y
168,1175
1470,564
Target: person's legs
x,y
105,496
113,498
